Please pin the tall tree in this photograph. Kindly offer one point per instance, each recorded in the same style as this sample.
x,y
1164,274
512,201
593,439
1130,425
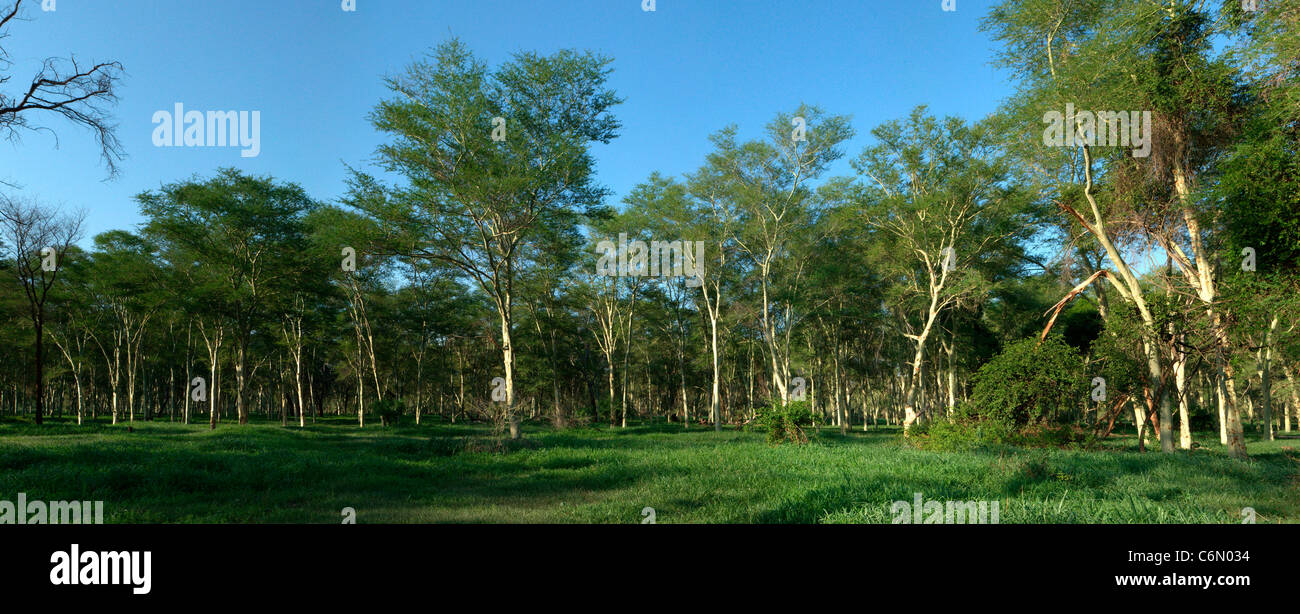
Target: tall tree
x,y
244,237
488,156
79,92
938,191
768,183
33,237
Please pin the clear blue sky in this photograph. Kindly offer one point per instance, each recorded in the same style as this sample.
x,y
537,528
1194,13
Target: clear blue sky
x,y
315,71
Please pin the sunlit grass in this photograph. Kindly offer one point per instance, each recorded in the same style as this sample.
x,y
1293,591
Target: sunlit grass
x,y
164,472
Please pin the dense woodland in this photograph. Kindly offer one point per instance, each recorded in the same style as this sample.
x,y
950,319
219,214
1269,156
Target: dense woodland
x,y
466,273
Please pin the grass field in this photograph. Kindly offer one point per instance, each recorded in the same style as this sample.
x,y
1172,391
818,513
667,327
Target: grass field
x,y
168,473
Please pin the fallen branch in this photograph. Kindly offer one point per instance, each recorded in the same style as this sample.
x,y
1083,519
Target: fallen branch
x,y
1056,309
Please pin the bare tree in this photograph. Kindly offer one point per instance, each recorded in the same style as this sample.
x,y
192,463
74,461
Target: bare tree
x,y
80,92
34,237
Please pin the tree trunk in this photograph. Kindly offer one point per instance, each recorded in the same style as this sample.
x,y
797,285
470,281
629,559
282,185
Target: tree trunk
x,y
508,360
1267,380
1184,419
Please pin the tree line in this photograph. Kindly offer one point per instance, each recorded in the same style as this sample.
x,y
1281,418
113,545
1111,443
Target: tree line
x,y
476,271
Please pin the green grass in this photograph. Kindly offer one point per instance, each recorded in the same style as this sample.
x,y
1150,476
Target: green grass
x,y
164,473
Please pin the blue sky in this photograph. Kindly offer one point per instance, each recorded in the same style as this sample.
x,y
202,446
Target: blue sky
x,y
314,72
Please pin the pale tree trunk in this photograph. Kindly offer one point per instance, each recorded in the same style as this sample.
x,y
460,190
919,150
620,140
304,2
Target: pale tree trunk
x,y
1131,290
1165,431
627,348
914,383
356,311
715,403
839,391
712,307
133,358
606,310
293,336
370,349
113,366
75,367
297,384
769,334
1199,272
1235,438
609,362
241,355
681,371
185,402
1266,379
1295,395
1184,416
213,345
951,348
1221,401
361,384
508,361
419,374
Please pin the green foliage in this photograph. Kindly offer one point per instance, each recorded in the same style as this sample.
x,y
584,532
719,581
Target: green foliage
x,y
1023,397
965,430
968,430
786,422
1031,383
390,410
439,472
1259,187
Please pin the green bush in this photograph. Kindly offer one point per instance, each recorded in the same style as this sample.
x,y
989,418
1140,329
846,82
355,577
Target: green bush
x,y
786,422
1031,384
965,430
1060,436
390,410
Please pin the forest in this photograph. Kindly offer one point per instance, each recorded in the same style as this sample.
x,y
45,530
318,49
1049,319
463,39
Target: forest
x,y
1103,273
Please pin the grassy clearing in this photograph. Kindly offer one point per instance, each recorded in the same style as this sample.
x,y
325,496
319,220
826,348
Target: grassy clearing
x,y
164,473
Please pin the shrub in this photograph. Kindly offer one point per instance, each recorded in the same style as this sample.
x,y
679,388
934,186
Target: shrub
x,y
969,429
786,422
390,410
1062,436
1031,383
965,430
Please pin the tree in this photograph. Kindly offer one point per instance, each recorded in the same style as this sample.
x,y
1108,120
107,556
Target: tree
x,y
1148,56
72,330
767,184
938,191
80,93
33,237
488,157
124,282
242,238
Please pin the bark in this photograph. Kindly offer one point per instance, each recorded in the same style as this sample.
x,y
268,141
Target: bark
x,y
1295,395
1266,380
1129,287
1184,419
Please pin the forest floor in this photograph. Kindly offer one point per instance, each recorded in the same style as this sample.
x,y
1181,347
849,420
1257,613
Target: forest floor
x,y
436,472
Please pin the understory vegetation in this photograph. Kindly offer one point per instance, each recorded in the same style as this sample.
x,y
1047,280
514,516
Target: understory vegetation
x,y
439,472
792,326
